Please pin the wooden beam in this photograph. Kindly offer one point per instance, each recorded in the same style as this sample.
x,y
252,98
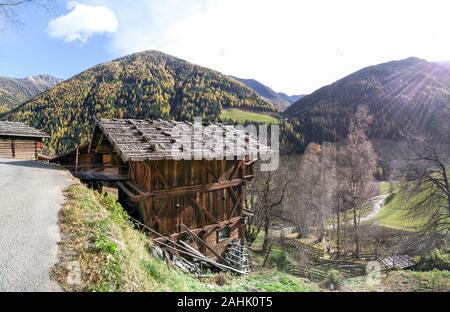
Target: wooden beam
x,y
213,176
159,174
235,169
133,197
207,229
207,213
250,162
76,159
186,190
235,198
237,204
137,189
163,205
202,242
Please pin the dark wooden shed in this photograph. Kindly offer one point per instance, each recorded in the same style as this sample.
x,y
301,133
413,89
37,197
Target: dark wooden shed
x,y
20,141
204,191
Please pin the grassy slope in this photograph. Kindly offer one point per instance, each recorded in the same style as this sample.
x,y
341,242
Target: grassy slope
x,y
396,214
243,115
384,188
404,281
113,256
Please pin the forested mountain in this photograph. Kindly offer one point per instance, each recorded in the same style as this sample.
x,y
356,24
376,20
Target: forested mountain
x,y
143,85
280,99
15,91
404,97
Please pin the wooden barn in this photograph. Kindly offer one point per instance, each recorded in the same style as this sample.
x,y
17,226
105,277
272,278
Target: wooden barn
x,y
19,141
198,199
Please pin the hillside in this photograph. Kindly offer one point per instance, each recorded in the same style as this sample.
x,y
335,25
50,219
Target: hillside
x,y
402,96
230,115
444,63
281,100
114,256
14,91
143,85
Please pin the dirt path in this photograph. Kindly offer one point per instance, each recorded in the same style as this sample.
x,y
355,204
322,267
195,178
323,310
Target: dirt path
x,y
377,205
31,195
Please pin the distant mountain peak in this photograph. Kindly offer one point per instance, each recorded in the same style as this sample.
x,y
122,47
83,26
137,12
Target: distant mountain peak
x,y
279,99
15,91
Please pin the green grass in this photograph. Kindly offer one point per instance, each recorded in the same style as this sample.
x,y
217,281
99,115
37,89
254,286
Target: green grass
x,y
404,281
243,115
114,256
396,214
385,187
271,280
397,211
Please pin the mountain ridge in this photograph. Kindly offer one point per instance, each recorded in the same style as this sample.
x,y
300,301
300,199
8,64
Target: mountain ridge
x,y
279,99
402,96
148,84
14,91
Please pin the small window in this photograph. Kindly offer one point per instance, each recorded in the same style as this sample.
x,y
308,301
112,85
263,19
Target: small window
x,y
223,234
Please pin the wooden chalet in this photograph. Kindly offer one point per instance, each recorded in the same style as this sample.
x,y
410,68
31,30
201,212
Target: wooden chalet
x,y
20,141
196,200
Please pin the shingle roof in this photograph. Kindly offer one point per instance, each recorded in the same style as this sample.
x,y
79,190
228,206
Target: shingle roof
x,y
19,129
139,140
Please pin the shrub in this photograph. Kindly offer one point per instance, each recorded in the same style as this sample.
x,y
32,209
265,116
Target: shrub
x,y
438,259
279,259
333,280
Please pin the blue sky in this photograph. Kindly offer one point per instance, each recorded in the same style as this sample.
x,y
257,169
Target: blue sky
x,y
28,49
294,46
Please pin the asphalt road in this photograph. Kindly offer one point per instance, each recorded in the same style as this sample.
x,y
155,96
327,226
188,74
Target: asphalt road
x,y
31,195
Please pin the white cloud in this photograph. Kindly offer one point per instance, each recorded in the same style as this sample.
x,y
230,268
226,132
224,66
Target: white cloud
x,y
82,22
293,46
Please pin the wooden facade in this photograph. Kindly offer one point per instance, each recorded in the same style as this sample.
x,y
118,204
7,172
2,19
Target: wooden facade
x,y
204,195
19,141
196,193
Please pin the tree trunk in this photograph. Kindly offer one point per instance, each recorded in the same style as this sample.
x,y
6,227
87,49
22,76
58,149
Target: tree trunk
x,y
266,256
321,234
299,232
448,202
355,223
266,236
338,234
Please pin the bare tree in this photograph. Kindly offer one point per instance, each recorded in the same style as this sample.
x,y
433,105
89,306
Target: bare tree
x,y
302,204
293,206
338,209
328,188
266,194
311,196
425,176
358,162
